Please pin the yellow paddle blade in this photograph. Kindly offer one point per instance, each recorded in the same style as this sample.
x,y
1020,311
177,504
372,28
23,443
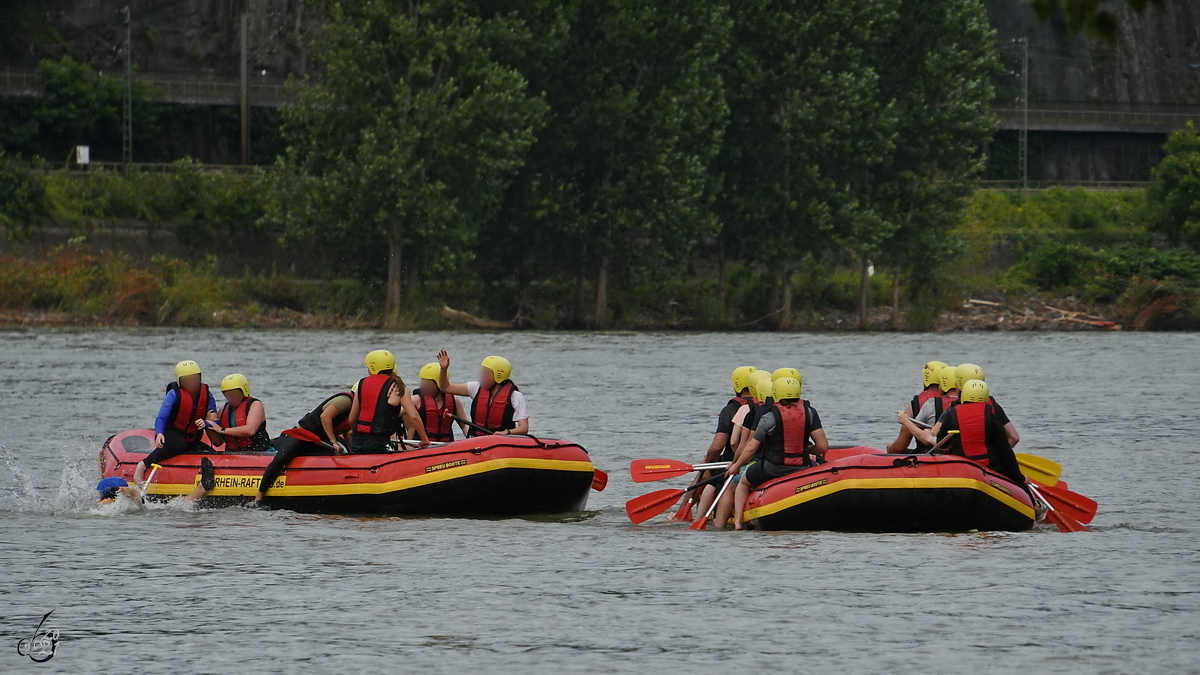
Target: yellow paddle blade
x,y
1044,471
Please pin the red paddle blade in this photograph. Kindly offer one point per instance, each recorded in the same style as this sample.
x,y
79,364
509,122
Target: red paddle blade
x,y
303,435
700,524
1073,504
599,480
646,470
684,513
1066,523
641,509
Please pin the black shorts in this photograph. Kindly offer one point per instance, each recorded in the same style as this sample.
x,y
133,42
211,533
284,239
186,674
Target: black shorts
x,y
761,471
174,443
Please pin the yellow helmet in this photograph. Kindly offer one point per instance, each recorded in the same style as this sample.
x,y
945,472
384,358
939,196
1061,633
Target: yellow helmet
x,y
765,388
500,367
354,389
973,391
781,373
741,378
757,376
948,378
932,373
185,368
431,371
968,371
379,361
236,381
786,389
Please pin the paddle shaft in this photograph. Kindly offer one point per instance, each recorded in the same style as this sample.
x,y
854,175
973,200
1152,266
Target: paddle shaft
x,y
712,509
153,470
1064,522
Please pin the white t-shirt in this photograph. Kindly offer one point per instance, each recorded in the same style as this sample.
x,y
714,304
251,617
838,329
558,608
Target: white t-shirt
x,y
739,425
518,401
926,414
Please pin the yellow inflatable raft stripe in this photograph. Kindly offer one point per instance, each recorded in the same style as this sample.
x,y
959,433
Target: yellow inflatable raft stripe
x,y
366,488
890,484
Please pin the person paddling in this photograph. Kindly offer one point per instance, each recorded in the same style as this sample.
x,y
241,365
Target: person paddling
x,y
740,427
970,371
496,403
789,434
437,410
981,435
931,377
242,422
181,423
382,407
329,421
929,412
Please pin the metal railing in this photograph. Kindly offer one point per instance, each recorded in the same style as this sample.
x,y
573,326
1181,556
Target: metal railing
x,y
264,91
1067,116
1100,185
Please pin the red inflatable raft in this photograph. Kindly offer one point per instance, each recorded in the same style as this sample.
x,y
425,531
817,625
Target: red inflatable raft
x,y
490,475
863,489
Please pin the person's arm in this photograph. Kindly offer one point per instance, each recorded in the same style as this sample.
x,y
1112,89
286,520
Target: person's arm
x,y
444,379
902,440
520,416
719,441
412,419
925,436
743,456
1013,437
254,419
327,416
820,443
353,419
209,424
461,413
164,416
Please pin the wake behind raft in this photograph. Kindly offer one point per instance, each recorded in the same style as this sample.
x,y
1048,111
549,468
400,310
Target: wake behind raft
x,y
484,476
866,490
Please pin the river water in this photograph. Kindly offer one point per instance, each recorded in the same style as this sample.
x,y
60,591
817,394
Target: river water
x,y
233,590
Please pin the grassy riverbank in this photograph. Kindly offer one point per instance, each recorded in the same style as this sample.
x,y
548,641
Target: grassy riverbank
x,y
1094,253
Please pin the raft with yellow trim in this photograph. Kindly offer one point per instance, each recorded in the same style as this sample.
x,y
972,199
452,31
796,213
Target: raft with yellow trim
x,y
485,476
867,490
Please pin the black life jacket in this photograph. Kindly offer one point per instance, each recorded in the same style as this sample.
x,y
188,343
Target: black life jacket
x,y
377,417
493,412
788,443
312,420
727,454
438,419
187,409
236,417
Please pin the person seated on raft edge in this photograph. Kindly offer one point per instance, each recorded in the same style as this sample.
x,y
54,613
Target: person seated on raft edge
x,y
496,403
329,420
981,434
781,443
182,418
743,431
437,410
380,403
931,377
929,412
721,448
242,424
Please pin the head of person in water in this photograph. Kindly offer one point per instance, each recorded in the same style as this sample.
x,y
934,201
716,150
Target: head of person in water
x,y
236,388
493,371
110,487
430,375
187,376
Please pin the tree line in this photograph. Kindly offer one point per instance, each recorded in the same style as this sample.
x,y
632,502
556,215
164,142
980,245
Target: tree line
x,y
611,143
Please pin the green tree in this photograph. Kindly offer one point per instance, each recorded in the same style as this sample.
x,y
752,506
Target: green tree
x,y
935,68
1174,191
409,138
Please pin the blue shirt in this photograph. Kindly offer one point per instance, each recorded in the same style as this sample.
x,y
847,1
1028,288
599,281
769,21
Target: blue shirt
x,y
164,413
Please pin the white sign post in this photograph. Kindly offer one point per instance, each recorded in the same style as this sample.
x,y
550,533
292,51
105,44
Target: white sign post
x,y
83,155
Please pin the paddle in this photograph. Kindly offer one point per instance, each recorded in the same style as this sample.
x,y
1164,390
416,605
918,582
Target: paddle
x,y
1062,521
483,430
1044,471
949,434
149,479
1073,504
308,437
703,522
599,480
646,470
641,509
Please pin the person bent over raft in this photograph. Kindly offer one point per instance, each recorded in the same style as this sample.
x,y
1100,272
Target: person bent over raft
x,y
781,443
182,418
981,434
329,421
496,403
437,410
380,402
931,376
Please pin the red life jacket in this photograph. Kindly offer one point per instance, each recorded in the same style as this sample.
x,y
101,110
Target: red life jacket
x,y
188,409
972,430
438,419
376,417
919,400
941,404
232,416
788,443
493,412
